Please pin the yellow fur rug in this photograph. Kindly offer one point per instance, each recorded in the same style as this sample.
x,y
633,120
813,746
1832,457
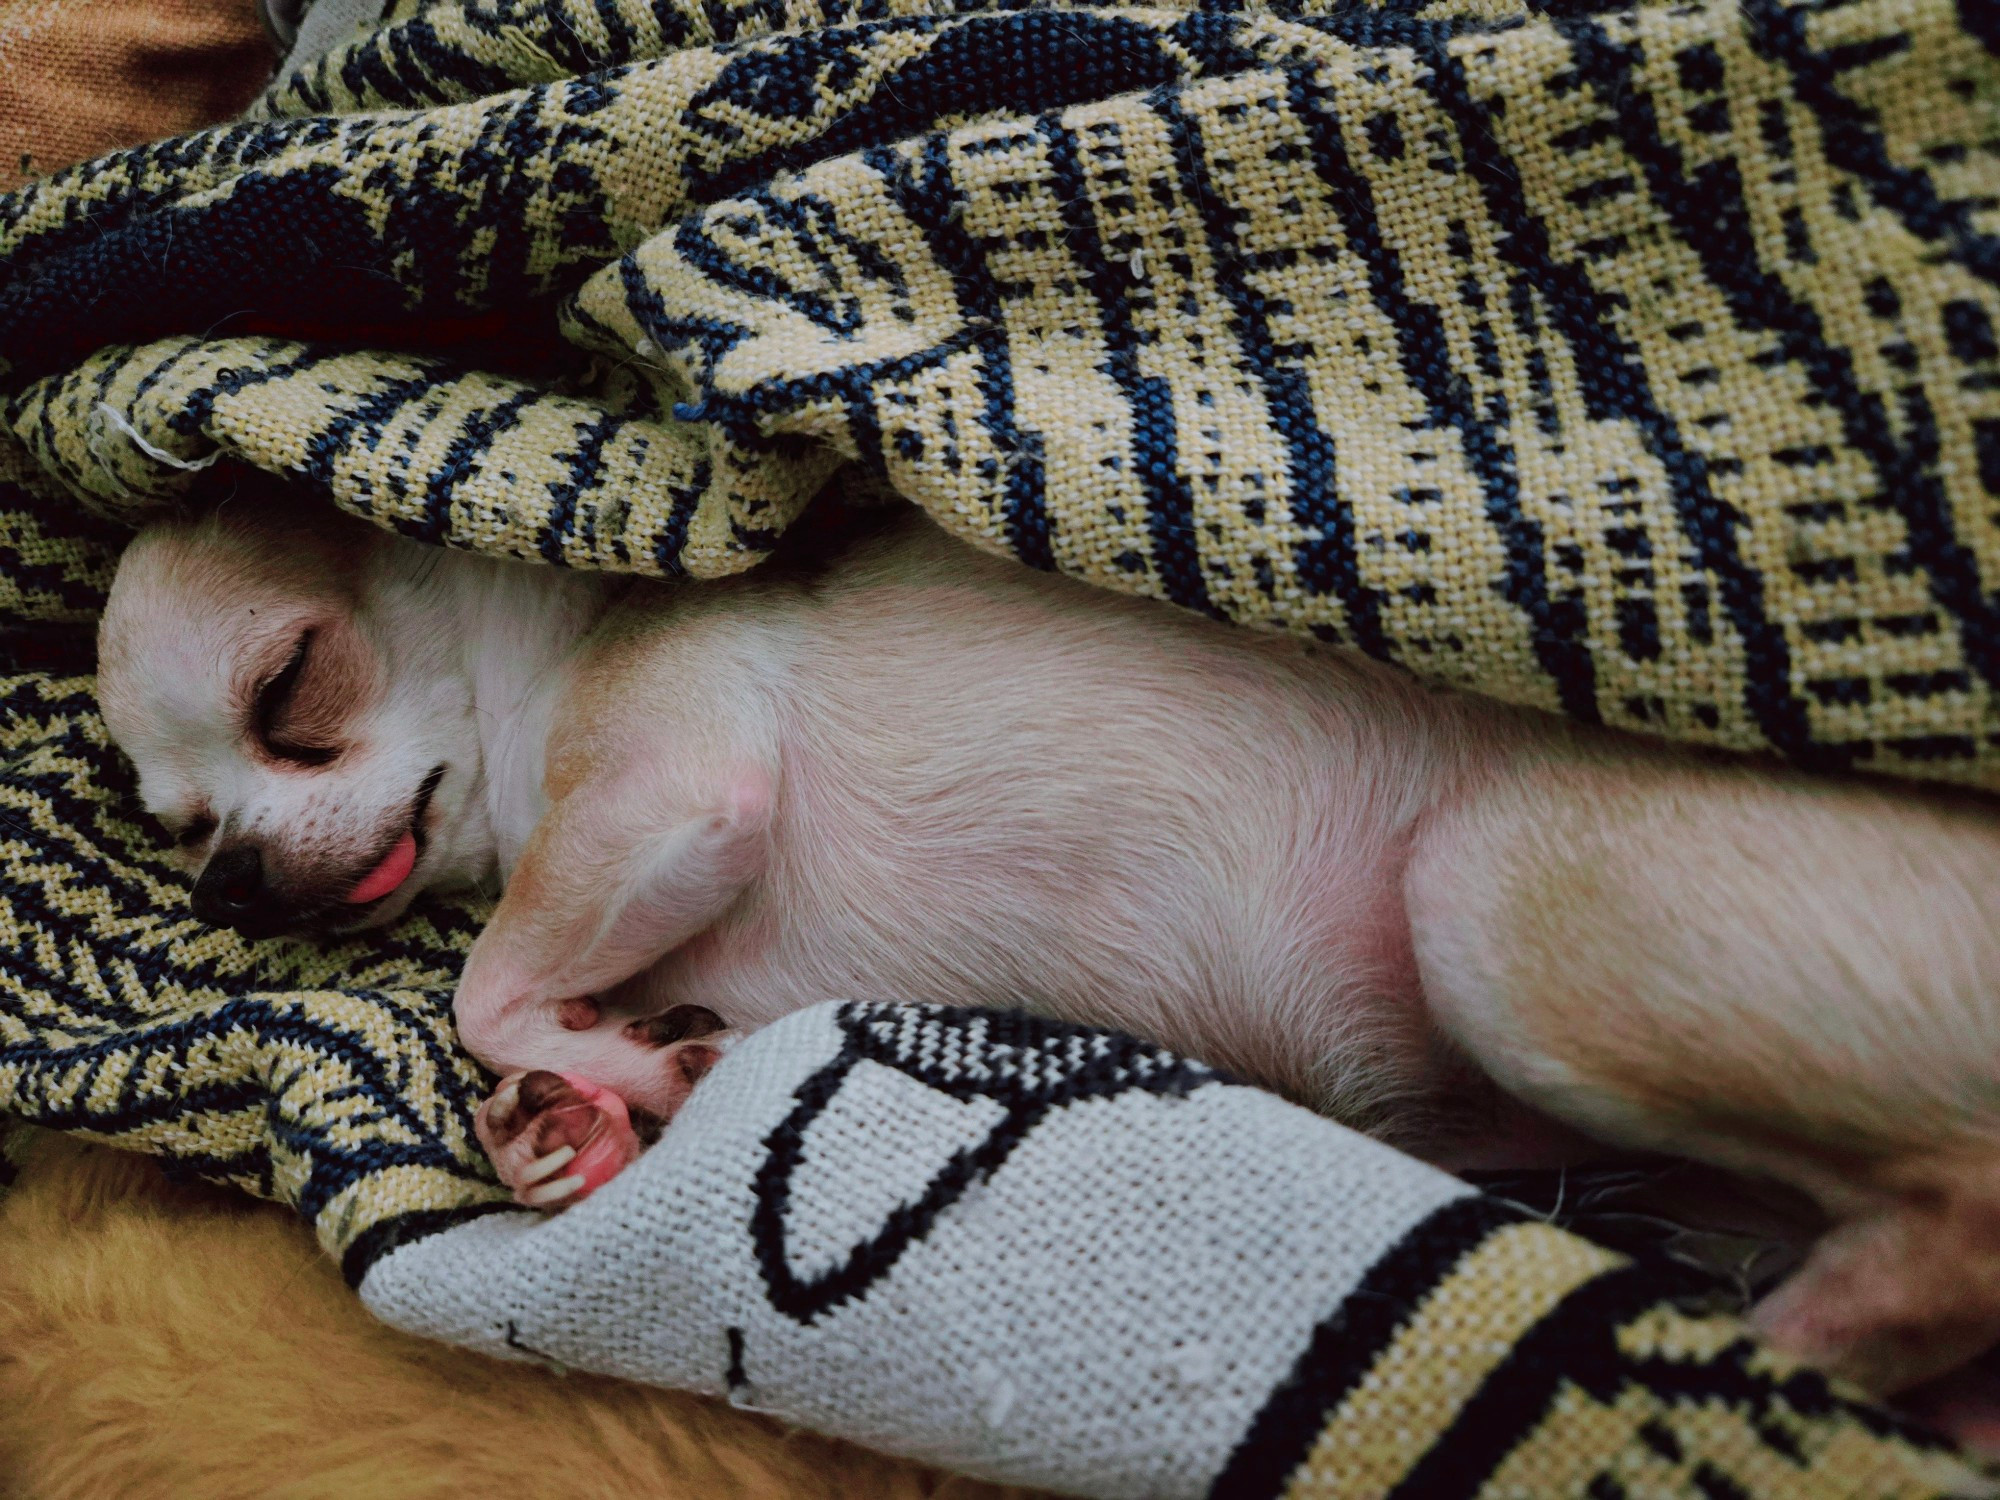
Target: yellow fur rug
x,y
160,1341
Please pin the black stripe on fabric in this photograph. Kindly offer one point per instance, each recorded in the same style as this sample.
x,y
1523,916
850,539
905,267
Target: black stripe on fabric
x,y
1709,214
336,1165
556,35
801,222
1155,450
1021,62
1326,562
198,405
365,418
1848,134
1577,1345
864,428
620,38
1344,1348
585,462
273,243
935,211
144,179
927,193
431,970
67,579
1615,386
672,536
159,968
378,1239
1982,19
1558,626
1026,1064
1766,1398
161,369
751,18
712,337
410,67
429,233
475,438
375,1070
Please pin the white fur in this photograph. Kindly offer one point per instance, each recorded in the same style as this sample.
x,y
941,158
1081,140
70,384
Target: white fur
x,y
465,648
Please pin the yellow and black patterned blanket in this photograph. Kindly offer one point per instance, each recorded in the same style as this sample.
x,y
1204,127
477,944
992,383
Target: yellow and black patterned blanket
x,y
1640,364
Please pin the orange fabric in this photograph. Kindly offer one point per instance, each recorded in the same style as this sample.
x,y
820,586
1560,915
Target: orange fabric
x,y
82,77
163,1342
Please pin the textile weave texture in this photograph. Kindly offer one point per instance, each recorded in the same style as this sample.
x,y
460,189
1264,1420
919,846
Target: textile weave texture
x,y
1046,1254
82,77
1637,364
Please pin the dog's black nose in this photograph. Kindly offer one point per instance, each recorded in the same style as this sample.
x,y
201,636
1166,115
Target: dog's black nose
x,y
232,893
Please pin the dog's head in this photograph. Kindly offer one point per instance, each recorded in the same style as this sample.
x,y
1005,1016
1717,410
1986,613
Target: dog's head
x,y
291,685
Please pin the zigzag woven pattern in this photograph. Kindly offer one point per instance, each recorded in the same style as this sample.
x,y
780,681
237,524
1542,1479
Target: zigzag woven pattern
x,y
1638,364
328,1078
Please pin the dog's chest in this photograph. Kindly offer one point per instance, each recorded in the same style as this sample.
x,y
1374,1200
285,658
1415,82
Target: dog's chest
x,y
523,636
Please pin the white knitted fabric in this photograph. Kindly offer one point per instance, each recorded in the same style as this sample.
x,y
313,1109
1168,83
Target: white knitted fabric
x,y
1138,1256
325,25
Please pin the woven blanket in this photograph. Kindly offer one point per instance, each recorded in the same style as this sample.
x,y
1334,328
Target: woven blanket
x,y
1636,364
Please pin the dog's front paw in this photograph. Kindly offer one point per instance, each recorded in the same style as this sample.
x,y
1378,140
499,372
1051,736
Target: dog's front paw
x,y
555,1138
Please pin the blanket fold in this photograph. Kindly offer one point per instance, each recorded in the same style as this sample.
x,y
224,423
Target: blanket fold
x,y
1634,364
1052,1256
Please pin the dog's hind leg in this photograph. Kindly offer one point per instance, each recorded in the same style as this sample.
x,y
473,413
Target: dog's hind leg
x,y
1784,977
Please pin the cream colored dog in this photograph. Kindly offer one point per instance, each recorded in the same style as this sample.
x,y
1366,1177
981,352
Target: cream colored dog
x,y
928,774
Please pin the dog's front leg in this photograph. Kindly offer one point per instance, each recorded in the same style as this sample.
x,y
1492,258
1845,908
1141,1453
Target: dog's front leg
x,y
614,878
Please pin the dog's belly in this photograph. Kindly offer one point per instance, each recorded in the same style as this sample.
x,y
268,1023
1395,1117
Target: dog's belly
x,y
1291,1000
1007,794
1256,922
1338,1024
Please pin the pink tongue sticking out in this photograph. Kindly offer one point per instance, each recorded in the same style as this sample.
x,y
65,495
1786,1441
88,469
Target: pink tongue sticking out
x,y
385,877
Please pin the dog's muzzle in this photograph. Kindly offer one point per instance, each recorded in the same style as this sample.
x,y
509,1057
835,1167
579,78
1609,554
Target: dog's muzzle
x,y
233,892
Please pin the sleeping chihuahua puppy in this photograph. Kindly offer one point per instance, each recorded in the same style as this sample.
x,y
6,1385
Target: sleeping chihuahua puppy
x,y
925,773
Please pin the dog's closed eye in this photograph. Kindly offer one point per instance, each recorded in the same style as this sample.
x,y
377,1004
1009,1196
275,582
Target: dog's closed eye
x,y
272,716
196,832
